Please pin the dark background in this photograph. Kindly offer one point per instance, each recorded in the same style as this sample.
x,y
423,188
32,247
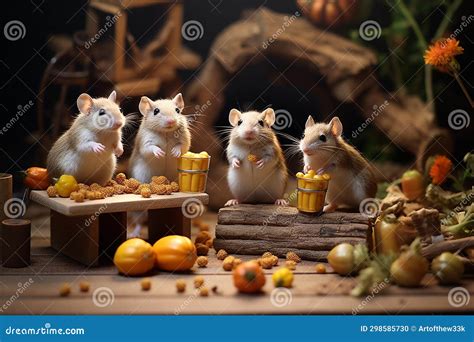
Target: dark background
x,y
22,63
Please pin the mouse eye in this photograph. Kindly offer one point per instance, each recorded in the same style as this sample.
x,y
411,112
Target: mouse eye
x,y
260,122
239,122
156,111
102,112
322,137
177,110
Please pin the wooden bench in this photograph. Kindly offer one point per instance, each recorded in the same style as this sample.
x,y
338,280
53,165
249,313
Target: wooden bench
x,y
92,230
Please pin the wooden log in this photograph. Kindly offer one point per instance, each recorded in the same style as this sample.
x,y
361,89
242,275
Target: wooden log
x,y
282,216
6,192
255,229
15,242
279,233
315,243
260,247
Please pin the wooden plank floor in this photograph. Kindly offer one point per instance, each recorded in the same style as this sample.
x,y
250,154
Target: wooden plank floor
x,y
312,293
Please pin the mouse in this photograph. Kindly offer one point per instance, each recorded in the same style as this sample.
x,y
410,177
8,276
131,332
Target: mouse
x,y
88,150
325,151
257,170
163,136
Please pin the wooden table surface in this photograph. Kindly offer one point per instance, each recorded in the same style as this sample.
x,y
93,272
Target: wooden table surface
x,y
312,293
117,203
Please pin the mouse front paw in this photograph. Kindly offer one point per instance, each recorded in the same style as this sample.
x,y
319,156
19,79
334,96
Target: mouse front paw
x,y
306,168
97,147
235,163
281,201
231,202
176,151
260,163
158,152
118,151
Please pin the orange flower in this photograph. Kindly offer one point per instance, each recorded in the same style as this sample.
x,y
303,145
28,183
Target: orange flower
x,y
441,54
440,169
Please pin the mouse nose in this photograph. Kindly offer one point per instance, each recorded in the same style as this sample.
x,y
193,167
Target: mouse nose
x,y
170,122
118,124
307,150
249,134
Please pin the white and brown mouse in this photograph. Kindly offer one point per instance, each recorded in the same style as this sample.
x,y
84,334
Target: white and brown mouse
x,y
88,150
257,172
163,136
325,151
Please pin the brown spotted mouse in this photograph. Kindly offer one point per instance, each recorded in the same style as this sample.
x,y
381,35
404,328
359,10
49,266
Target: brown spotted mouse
x,y
325,151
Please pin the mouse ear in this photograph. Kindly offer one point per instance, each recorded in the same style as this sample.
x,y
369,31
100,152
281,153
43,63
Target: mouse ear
x,y
145,105
309,122
113,96
234,116
336,126
269,116
178,101
84,103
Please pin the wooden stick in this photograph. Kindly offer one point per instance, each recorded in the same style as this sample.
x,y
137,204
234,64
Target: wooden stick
x,y
437,248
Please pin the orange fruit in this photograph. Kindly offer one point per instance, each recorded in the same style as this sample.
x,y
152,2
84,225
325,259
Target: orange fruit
x,y
175,253
134,257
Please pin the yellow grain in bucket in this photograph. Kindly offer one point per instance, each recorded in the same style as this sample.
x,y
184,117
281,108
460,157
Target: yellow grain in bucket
x,y
192,171
311,191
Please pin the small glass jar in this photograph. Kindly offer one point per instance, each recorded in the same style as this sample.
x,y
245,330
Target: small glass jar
x,y
192,171
312,192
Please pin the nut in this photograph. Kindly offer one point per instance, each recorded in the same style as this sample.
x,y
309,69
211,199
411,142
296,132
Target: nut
x,y
119,189
145,192
90,195
210,243
84,286
174,186
293,256
274,260
159,189
95,186
51,191
267,255
228,263
180,285
120,178
65,290
252,158
290,264
221,254
132,183
266,263
202,261
198,281
321,268
109,191
160,180
79,197
202,237
202,249
203,291
146,284
169,189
